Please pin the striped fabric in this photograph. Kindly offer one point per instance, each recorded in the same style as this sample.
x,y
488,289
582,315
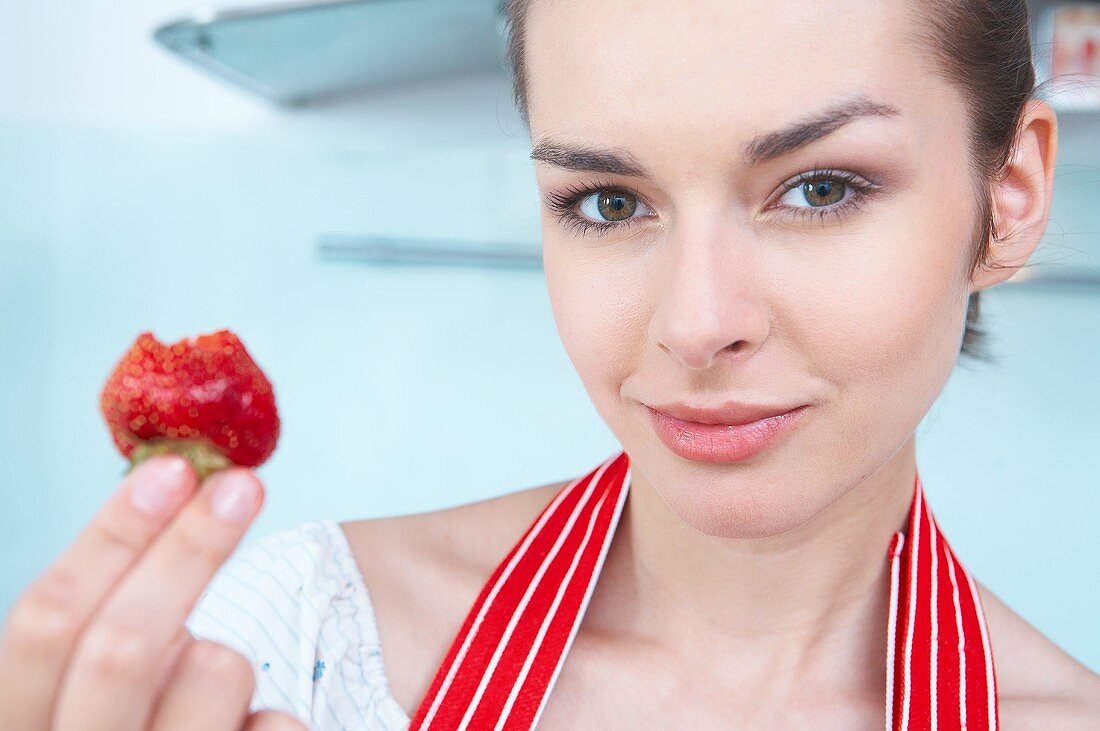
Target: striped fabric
x,y
294,603
502,664
941,673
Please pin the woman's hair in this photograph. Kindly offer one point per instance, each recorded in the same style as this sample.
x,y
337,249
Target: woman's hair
x,y
982,46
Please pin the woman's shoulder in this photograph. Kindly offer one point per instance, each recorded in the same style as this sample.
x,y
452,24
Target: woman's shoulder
x,y
1039,685
424,571
471,534
292,603
455,550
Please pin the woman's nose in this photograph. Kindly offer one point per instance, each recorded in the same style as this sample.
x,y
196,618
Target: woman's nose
x,y
710,304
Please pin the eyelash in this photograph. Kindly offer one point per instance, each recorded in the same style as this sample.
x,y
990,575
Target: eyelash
x,y
564,203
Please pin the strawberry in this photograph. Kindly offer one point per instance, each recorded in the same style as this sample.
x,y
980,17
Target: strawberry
x,y
205,399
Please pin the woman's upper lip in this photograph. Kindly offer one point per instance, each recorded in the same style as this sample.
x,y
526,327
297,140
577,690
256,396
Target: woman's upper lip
x,y
731,413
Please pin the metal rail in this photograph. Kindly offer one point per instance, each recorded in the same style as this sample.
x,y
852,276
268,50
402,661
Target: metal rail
x,y
451,252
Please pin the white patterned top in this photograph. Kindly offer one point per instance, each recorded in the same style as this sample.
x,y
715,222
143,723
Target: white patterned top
x,y
295,604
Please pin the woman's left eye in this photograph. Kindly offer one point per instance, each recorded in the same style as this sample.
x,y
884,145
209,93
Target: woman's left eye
x,y
819,193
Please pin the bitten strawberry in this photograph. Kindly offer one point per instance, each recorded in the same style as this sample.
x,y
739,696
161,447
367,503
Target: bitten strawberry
x,y
203,398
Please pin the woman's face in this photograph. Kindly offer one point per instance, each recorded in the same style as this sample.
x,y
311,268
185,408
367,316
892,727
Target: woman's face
x,y
718,277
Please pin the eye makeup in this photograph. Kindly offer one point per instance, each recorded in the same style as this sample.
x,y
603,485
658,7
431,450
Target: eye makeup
x,y
822,182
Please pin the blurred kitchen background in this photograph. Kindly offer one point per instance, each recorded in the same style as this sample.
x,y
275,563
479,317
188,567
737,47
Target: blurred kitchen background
x,y
192,182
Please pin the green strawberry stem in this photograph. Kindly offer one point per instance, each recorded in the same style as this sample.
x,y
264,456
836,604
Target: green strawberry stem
x,y
204,457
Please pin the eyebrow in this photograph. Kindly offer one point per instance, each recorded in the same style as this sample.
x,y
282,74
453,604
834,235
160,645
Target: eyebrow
x,y
764,147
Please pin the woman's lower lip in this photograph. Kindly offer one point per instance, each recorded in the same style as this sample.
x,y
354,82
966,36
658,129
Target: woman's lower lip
x,y
722,442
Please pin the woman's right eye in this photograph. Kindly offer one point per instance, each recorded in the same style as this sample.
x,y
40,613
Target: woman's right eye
x,y
612,205
599,209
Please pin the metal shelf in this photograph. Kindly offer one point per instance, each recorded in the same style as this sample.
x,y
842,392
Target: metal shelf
x,y
300,53
449,252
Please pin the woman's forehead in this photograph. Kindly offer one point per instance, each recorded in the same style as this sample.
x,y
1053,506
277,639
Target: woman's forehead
x,y
708,65
738,30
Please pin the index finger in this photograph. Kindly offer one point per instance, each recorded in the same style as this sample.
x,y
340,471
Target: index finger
x,y
43,626
108,684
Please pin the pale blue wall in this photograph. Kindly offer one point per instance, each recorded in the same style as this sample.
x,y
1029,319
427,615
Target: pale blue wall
x,y
410,388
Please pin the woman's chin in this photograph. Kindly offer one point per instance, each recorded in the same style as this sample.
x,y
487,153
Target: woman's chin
x,y
746,503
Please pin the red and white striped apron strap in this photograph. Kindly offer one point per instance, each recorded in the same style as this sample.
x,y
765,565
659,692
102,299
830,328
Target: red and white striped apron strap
x,y
502,664
939,667
504,660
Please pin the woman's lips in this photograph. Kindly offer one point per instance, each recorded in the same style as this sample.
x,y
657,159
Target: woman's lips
x,y
722,442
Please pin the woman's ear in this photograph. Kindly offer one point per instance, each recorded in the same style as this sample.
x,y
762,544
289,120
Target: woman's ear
x,y
1021,198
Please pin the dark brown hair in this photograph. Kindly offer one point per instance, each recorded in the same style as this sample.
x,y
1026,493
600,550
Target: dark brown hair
x,y
983,46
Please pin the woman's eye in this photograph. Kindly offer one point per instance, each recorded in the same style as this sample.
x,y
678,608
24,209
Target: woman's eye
x,y
825,193
610,205
816,193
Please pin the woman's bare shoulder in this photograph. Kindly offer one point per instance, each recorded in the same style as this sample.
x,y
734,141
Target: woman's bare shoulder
x,y
473,534
425,570
1039,685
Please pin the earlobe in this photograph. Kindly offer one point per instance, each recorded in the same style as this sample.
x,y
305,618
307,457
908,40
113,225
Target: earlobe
x,y
1021,197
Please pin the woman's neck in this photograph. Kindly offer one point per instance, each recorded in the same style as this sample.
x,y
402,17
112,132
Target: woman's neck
x,y
807,606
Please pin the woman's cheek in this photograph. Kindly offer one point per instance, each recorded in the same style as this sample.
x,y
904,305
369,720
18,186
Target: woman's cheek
x,y
578,311
885,327
600,317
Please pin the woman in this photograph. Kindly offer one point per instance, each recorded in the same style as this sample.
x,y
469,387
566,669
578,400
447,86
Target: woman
x,y
753,212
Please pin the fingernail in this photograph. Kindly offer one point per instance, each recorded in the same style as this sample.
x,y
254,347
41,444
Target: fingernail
x,y
234,497
156,485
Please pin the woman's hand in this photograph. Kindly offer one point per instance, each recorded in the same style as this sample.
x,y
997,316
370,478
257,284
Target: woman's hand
x,y
97,642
